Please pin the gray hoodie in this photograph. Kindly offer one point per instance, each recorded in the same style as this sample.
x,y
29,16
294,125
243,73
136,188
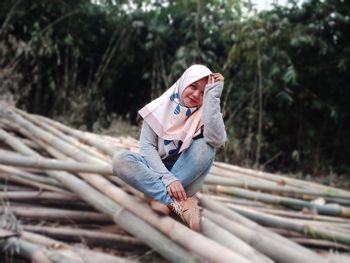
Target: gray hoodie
x,y
214,132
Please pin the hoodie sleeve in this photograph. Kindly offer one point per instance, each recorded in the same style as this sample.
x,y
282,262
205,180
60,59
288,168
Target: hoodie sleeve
x,y
214,128
149,150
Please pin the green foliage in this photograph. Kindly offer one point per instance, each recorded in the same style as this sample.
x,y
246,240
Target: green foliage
x,y
286,98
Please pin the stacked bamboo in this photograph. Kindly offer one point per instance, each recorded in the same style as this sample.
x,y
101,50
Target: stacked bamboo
x,y
60,202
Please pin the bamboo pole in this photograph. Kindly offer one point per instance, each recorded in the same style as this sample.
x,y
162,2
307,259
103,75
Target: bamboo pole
x,y
339,200
86,255
49,149
72,150
8,125
83,136
278,189
272,245
286,201
285,232
33,252
27,182
37,196
337,257
56,214
283,179
12,142
53,164
341,226
247,178
306,229
92,237
229,240
298,215
30,176
320,243
223,177
6,187
234,200
31,144
68,139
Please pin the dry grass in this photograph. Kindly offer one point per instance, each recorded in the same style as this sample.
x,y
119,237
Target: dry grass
x,y
120,127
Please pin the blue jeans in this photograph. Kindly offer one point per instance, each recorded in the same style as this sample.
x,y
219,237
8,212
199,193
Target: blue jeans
x,y
190,168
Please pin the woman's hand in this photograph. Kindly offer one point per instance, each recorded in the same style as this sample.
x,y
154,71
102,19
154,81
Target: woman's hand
x,y
176,191
218,77
215,77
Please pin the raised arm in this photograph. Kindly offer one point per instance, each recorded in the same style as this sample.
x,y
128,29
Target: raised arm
x,y
214,128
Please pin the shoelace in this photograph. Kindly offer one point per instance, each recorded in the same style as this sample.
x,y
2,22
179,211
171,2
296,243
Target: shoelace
x,y
177,208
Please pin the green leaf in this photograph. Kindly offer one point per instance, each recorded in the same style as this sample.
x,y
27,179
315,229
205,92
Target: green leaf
x,y
68,40
290,76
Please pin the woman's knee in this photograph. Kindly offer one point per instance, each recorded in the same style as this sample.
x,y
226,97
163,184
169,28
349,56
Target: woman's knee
x,y
202,151
120,161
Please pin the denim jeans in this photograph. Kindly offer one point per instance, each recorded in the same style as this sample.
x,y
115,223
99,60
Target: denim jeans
x,y
190,168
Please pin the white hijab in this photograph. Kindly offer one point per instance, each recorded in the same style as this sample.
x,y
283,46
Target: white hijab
x,y
175,124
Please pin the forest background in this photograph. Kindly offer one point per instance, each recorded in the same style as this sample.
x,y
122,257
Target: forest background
x,y
286,102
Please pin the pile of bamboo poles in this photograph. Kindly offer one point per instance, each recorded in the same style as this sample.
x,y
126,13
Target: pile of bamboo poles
x,y
61,203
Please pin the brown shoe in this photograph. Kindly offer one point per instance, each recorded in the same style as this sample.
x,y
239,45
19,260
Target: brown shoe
x,y
188,211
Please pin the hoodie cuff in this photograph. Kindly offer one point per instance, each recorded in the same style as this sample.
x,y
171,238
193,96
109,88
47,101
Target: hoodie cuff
x,y
168,178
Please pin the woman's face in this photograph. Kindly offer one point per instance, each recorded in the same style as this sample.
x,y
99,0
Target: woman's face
x,y
192,96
